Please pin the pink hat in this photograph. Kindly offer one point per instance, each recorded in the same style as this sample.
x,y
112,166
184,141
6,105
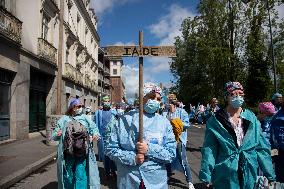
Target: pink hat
x,y
266,108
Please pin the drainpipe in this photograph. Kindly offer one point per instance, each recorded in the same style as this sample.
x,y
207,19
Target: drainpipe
x,y
59,59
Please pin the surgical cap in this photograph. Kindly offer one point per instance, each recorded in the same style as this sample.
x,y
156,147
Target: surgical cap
x,y
151,88
232,86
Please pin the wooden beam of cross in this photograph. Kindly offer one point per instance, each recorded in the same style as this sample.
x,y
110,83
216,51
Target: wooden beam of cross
x,y
140,51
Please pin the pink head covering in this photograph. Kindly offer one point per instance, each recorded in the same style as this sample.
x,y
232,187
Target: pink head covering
x,y
266,108
231,86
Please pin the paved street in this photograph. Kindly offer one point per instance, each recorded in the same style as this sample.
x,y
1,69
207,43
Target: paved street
x,y
46,178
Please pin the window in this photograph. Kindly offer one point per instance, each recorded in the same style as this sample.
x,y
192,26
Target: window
x,y
67,100
2,3
78,25
114,71
45,28
86,36
67,55
115,63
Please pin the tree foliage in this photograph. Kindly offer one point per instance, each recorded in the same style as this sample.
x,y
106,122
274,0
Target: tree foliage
x,y
227,41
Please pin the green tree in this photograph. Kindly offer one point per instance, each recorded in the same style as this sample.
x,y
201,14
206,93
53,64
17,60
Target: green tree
x,y
228,40
258,85
206,52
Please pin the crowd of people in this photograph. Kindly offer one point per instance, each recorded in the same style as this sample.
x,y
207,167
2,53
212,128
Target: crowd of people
x,y
238,145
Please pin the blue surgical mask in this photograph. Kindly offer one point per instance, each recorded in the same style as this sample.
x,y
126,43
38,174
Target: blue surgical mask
x,y
237,101
79,111
151,106
120,112
106,104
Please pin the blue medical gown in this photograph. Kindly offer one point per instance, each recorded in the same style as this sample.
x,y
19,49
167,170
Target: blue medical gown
x,y
102,118
121,147
183,115
91,163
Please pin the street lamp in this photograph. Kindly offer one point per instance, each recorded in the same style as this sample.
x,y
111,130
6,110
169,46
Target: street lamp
x,y
271,44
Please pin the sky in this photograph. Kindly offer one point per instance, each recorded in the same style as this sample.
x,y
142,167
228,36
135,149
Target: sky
x,y
160,21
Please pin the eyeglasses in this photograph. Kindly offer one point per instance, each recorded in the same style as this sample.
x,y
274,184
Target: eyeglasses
x,y
78,106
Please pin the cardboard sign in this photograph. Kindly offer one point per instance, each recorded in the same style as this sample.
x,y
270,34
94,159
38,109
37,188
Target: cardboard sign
x,y
136,51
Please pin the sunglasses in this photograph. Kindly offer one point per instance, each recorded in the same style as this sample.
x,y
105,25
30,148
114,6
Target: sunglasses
x,y
78,106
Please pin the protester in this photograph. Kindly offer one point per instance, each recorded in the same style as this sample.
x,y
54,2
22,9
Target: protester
x,y
214,105
76,167
277,101
192,113
200,114
180,121
234,147
120,108
142,165
102,118
212,108
88,112
277,142
267,110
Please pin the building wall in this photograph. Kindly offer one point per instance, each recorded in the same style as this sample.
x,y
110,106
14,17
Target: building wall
x,y
117,86
117,89
80,52
25,55
116,64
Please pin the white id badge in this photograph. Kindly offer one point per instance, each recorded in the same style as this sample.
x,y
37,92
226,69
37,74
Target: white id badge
x,y
154,138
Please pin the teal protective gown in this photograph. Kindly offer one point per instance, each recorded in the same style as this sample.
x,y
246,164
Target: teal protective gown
x,y
221,157
121,147
92,167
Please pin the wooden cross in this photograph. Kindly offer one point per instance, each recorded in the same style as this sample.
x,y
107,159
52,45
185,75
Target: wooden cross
x,y
140,51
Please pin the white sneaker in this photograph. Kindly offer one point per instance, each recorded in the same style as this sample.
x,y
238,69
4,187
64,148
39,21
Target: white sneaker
x,y
190,185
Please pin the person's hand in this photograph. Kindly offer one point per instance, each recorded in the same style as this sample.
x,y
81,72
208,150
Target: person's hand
x,y
142,147
59,133
274,152
140,158
96,138
271,183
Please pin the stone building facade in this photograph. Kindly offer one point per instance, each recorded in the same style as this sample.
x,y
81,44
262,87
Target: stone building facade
x,y
29,40
104,75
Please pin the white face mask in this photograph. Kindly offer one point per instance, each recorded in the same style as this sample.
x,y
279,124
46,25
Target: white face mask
x,y
120,111
79,111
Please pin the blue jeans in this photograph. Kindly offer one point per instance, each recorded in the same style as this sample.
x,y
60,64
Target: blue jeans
x,y
75,174
181,155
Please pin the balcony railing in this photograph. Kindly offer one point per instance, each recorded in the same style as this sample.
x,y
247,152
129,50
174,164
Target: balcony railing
x,y
107,91
101,77
100,89
106,70
46,50
10,26
107,81
101,65
73,74
90,84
